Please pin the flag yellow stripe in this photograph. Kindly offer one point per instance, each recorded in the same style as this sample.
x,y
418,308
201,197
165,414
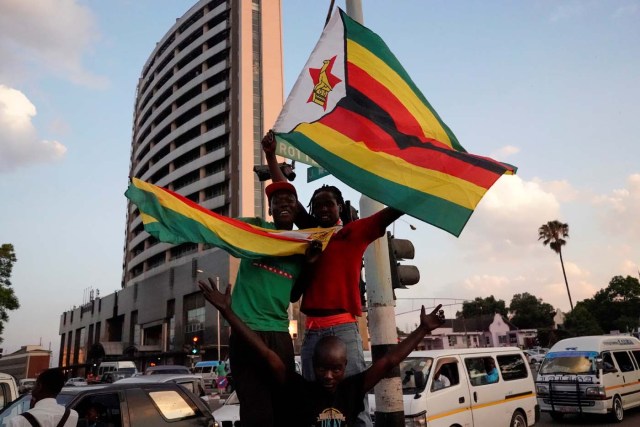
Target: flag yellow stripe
x,y
241,239
394,169
385,75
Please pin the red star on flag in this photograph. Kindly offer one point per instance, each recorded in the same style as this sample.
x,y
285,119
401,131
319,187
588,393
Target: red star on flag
x,y
323,82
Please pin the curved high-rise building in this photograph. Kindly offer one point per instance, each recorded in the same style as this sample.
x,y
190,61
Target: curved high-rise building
x,y
205,96
206,93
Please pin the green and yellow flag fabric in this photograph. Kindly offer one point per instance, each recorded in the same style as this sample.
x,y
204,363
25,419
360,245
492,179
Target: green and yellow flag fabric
x,y
357,113
172,218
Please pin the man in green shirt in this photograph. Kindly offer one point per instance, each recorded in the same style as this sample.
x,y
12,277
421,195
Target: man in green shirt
x,y
261,299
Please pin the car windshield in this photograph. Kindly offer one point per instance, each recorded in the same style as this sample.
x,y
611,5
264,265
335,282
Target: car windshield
x,y
569,363
412,368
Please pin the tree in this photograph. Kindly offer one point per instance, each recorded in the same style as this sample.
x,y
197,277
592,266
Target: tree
x,y
580,322
553,233
8,300
480,306
616,307
531,312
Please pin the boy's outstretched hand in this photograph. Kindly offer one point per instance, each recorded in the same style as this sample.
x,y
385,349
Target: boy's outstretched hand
x,y
219,300
432,320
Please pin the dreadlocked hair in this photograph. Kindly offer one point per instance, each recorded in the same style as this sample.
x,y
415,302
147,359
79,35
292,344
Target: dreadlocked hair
x,y
345,211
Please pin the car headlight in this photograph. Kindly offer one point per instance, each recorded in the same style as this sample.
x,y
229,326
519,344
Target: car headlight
x,y
417,420
542,390
596,392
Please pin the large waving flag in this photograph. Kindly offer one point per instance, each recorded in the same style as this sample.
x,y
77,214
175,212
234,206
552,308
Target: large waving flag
x,y
356,112
172,218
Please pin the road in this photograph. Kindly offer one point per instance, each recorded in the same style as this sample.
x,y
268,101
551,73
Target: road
x,y
631,418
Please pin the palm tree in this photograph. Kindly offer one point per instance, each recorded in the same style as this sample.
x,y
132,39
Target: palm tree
x,y
553,233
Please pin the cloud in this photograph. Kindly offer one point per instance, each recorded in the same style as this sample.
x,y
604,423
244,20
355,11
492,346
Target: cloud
x,y
618,212
49,34
507,219
562,190
19,141
504,152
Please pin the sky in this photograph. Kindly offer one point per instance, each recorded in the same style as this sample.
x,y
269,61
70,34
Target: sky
x,y
552,87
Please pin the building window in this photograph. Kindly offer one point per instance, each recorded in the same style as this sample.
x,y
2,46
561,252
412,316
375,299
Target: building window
x,y
502,339
134,329
63,350
194,312
69,348
97,335
171,322
453,340
81,343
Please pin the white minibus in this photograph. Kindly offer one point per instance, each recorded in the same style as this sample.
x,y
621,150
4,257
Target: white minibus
x,y
594,374
467,387
207,369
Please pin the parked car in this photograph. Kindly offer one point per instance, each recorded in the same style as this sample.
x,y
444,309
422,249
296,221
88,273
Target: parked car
x,y
26,385
229,412
191,382
167,369
18,406
535,355
133,405
76,381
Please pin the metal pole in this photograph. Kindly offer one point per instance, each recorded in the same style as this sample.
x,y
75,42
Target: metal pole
x,y
382,323
218,322
381,307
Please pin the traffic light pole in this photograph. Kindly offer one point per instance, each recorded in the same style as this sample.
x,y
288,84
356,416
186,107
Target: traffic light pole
x,y
381,307
382,323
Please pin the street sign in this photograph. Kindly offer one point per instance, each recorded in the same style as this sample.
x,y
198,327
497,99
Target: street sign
x,y
288,151
314,173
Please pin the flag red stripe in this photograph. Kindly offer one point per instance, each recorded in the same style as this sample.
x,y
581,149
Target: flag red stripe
x,y
405,122
360,128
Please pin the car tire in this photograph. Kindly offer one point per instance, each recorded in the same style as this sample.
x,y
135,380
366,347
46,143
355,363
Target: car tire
x,y
556,416
617,410
518,420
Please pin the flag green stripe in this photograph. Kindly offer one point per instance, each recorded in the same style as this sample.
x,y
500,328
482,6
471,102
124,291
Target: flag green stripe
x,y
372,42
183,229
441,213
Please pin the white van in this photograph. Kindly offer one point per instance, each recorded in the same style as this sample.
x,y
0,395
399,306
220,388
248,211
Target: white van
x,y
116,366
473,392
207,369
8,389
595,374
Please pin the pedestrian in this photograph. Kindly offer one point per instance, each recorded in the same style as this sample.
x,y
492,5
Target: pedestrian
x,y
334,398
45,411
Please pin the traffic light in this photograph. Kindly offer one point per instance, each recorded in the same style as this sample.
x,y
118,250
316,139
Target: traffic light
x,y
264,174
401,275
195,349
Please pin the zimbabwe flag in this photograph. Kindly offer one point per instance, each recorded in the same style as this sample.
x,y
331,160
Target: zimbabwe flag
x,y
357,113
172,218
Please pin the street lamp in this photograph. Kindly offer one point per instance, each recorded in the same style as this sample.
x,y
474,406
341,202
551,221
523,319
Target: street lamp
x,y
218,313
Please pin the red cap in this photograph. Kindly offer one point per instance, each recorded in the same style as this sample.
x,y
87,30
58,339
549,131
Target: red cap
x,y
280,186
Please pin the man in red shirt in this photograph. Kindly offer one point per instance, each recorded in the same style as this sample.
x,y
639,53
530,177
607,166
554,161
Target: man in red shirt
x,y
331,286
